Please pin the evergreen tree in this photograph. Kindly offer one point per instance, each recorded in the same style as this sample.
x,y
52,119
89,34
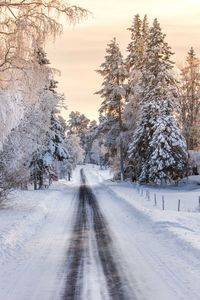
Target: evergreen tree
x,y
78,123
90,136
134,62
56,147
158,149
114,73
135,47
190,100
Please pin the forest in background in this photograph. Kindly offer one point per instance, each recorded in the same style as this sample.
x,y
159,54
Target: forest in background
x,y
148,128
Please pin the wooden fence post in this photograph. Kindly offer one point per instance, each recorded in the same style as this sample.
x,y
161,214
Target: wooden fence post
x,y
155,200
163,203
179,204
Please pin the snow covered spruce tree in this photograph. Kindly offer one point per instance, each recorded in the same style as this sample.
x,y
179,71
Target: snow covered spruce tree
x,y
134,61
133,65
139,30
113,91
190,100
158,149
56,157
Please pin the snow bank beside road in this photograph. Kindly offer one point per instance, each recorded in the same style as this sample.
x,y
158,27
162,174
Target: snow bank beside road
x,y
20,217
35,229
185,225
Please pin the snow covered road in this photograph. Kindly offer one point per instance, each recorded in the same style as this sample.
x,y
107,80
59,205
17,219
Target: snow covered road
x,y
91,229
153,264
90,244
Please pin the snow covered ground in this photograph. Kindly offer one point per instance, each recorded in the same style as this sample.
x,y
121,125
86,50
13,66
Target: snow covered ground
x,y
157,252
34,231
184,224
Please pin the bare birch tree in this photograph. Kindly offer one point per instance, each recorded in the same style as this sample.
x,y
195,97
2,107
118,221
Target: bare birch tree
x,y
26,25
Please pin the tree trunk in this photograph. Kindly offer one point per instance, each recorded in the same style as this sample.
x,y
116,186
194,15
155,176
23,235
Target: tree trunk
x,y
120,144
69,176
41,181
35,177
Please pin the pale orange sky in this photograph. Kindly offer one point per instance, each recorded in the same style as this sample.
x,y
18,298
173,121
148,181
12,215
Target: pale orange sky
x,y
81,49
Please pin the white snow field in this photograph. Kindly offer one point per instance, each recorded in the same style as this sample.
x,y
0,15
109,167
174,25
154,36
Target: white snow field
x,y
34,231
157,252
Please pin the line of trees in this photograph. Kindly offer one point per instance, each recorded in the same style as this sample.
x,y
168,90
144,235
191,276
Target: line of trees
x,y
33,143
149,115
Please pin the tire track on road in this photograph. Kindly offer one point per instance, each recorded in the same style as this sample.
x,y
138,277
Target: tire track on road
x,y
75,255
116,283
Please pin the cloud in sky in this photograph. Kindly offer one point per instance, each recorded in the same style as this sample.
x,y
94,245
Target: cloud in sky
x,y
80,50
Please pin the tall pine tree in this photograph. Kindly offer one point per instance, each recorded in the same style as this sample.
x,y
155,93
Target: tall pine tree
x,y
158,149
134,62
114,73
